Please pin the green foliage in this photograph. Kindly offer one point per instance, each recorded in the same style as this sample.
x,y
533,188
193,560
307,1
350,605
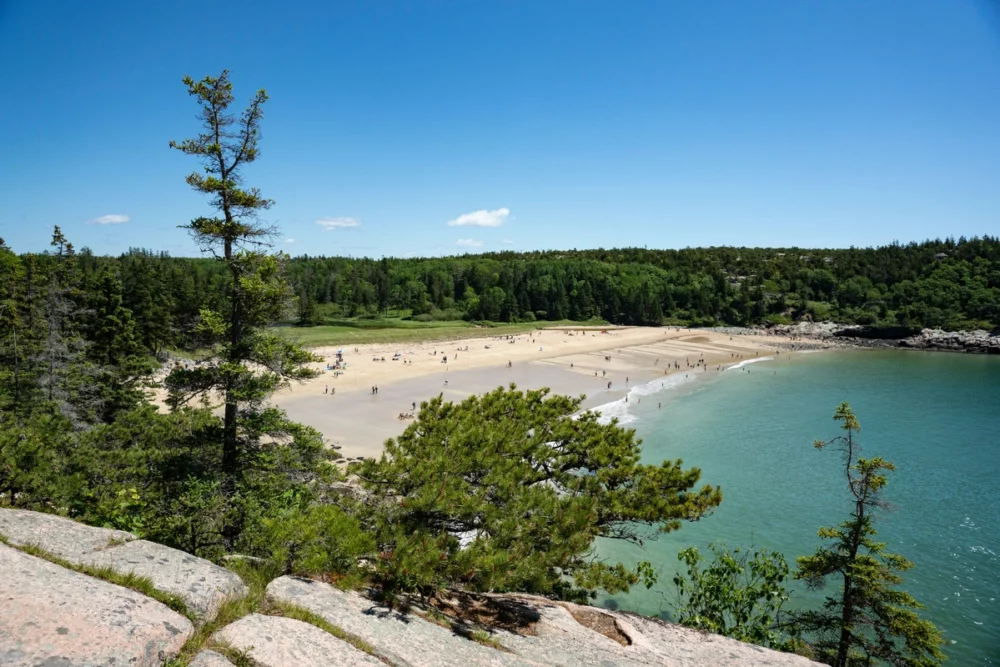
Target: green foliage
x,y
867,620
248,363
316,540
739,594
528,488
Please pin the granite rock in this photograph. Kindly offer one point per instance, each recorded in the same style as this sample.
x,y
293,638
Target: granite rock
x,y
402,639
209,658
203,585
561,634
274,641
50,615
59,536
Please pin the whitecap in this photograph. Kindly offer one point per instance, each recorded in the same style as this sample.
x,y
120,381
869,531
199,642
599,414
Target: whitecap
x,y
746,362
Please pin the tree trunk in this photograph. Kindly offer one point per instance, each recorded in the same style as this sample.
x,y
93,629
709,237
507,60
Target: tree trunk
x,y
847,602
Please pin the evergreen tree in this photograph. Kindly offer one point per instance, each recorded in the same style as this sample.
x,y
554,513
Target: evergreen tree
x,y
867,621
64,376
248,363
116,349
528,488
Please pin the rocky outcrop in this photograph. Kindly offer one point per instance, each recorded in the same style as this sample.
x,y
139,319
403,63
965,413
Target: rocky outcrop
x,y
402,639
854,335
202,584
978,341
53,616
60,537
536,632
272,641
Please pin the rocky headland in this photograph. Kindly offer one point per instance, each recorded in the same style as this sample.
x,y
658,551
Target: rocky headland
x,y
813,335
65,601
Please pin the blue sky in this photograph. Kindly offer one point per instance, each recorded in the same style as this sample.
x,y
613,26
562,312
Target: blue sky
x,y
562,124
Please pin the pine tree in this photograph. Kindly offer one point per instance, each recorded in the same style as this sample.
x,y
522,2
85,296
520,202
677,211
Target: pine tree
x,y
529,488
115,348
868,621
63,375
248,363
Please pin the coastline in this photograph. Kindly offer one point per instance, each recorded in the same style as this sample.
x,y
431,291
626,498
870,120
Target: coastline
x,y
352,416
357,420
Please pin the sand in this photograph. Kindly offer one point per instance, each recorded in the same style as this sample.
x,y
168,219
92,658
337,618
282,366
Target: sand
x,y
358,421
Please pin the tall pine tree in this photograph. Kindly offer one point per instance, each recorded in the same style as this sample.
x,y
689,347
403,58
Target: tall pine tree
x,y
247,363
867,620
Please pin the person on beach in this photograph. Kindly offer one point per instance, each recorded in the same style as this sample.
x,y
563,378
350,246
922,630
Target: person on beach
x,y
326,389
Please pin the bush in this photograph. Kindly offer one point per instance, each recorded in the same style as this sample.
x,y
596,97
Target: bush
x,y
739,594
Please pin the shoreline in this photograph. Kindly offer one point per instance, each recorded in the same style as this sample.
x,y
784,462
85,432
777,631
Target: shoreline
x,y
357,420
362,404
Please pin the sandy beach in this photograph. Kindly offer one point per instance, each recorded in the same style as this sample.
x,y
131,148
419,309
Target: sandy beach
x,y
353,418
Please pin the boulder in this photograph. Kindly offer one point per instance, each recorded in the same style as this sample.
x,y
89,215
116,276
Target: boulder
x,y
59,536
203,585
402,639
50,615
208,658
273,641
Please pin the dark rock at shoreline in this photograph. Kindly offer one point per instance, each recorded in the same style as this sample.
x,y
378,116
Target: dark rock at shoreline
x,y
854,335
979,341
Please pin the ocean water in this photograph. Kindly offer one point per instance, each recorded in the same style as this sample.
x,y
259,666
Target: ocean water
x,y
751,429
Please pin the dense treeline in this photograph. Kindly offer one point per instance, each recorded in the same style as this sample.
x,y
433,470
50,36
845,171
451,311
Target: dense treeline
x,y
949,284
943,284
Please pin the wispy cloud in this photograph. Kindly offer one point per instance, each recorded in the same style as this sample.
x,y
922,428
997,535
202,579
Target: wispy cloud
x,y
469,243
506,242
289,240
338,223
110,219
482,218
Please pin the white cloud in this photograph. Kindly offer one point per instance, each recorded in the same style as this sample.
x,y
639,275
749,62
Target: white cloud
x,y
469,243
289,240
482,218
111,219
338,223
506,242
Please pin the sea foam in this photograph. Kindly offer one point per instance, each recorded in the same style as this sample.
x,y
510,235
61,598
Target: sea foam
x,y
620,409
747,362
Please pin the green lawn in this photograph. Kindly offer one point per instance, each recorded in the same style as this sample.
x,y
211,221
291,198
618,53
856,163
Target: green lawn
x,y
360,332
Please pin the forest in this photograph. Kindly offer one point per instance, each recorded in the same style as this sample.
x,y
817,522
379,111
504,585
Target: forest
x,y
949,284
213,468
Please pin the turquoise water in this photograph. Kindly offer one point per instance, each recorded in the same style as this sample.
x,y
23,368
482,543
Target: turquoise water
x,y
936,416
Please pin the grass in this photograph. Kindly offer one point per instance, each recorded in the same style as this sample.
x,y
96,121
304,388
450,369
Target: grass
x,y
363,332
256,576
301,614
130,580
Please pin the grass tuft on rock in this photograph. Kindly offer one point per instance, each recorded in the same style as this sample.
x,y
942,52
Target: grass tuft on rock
x,y
128,580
